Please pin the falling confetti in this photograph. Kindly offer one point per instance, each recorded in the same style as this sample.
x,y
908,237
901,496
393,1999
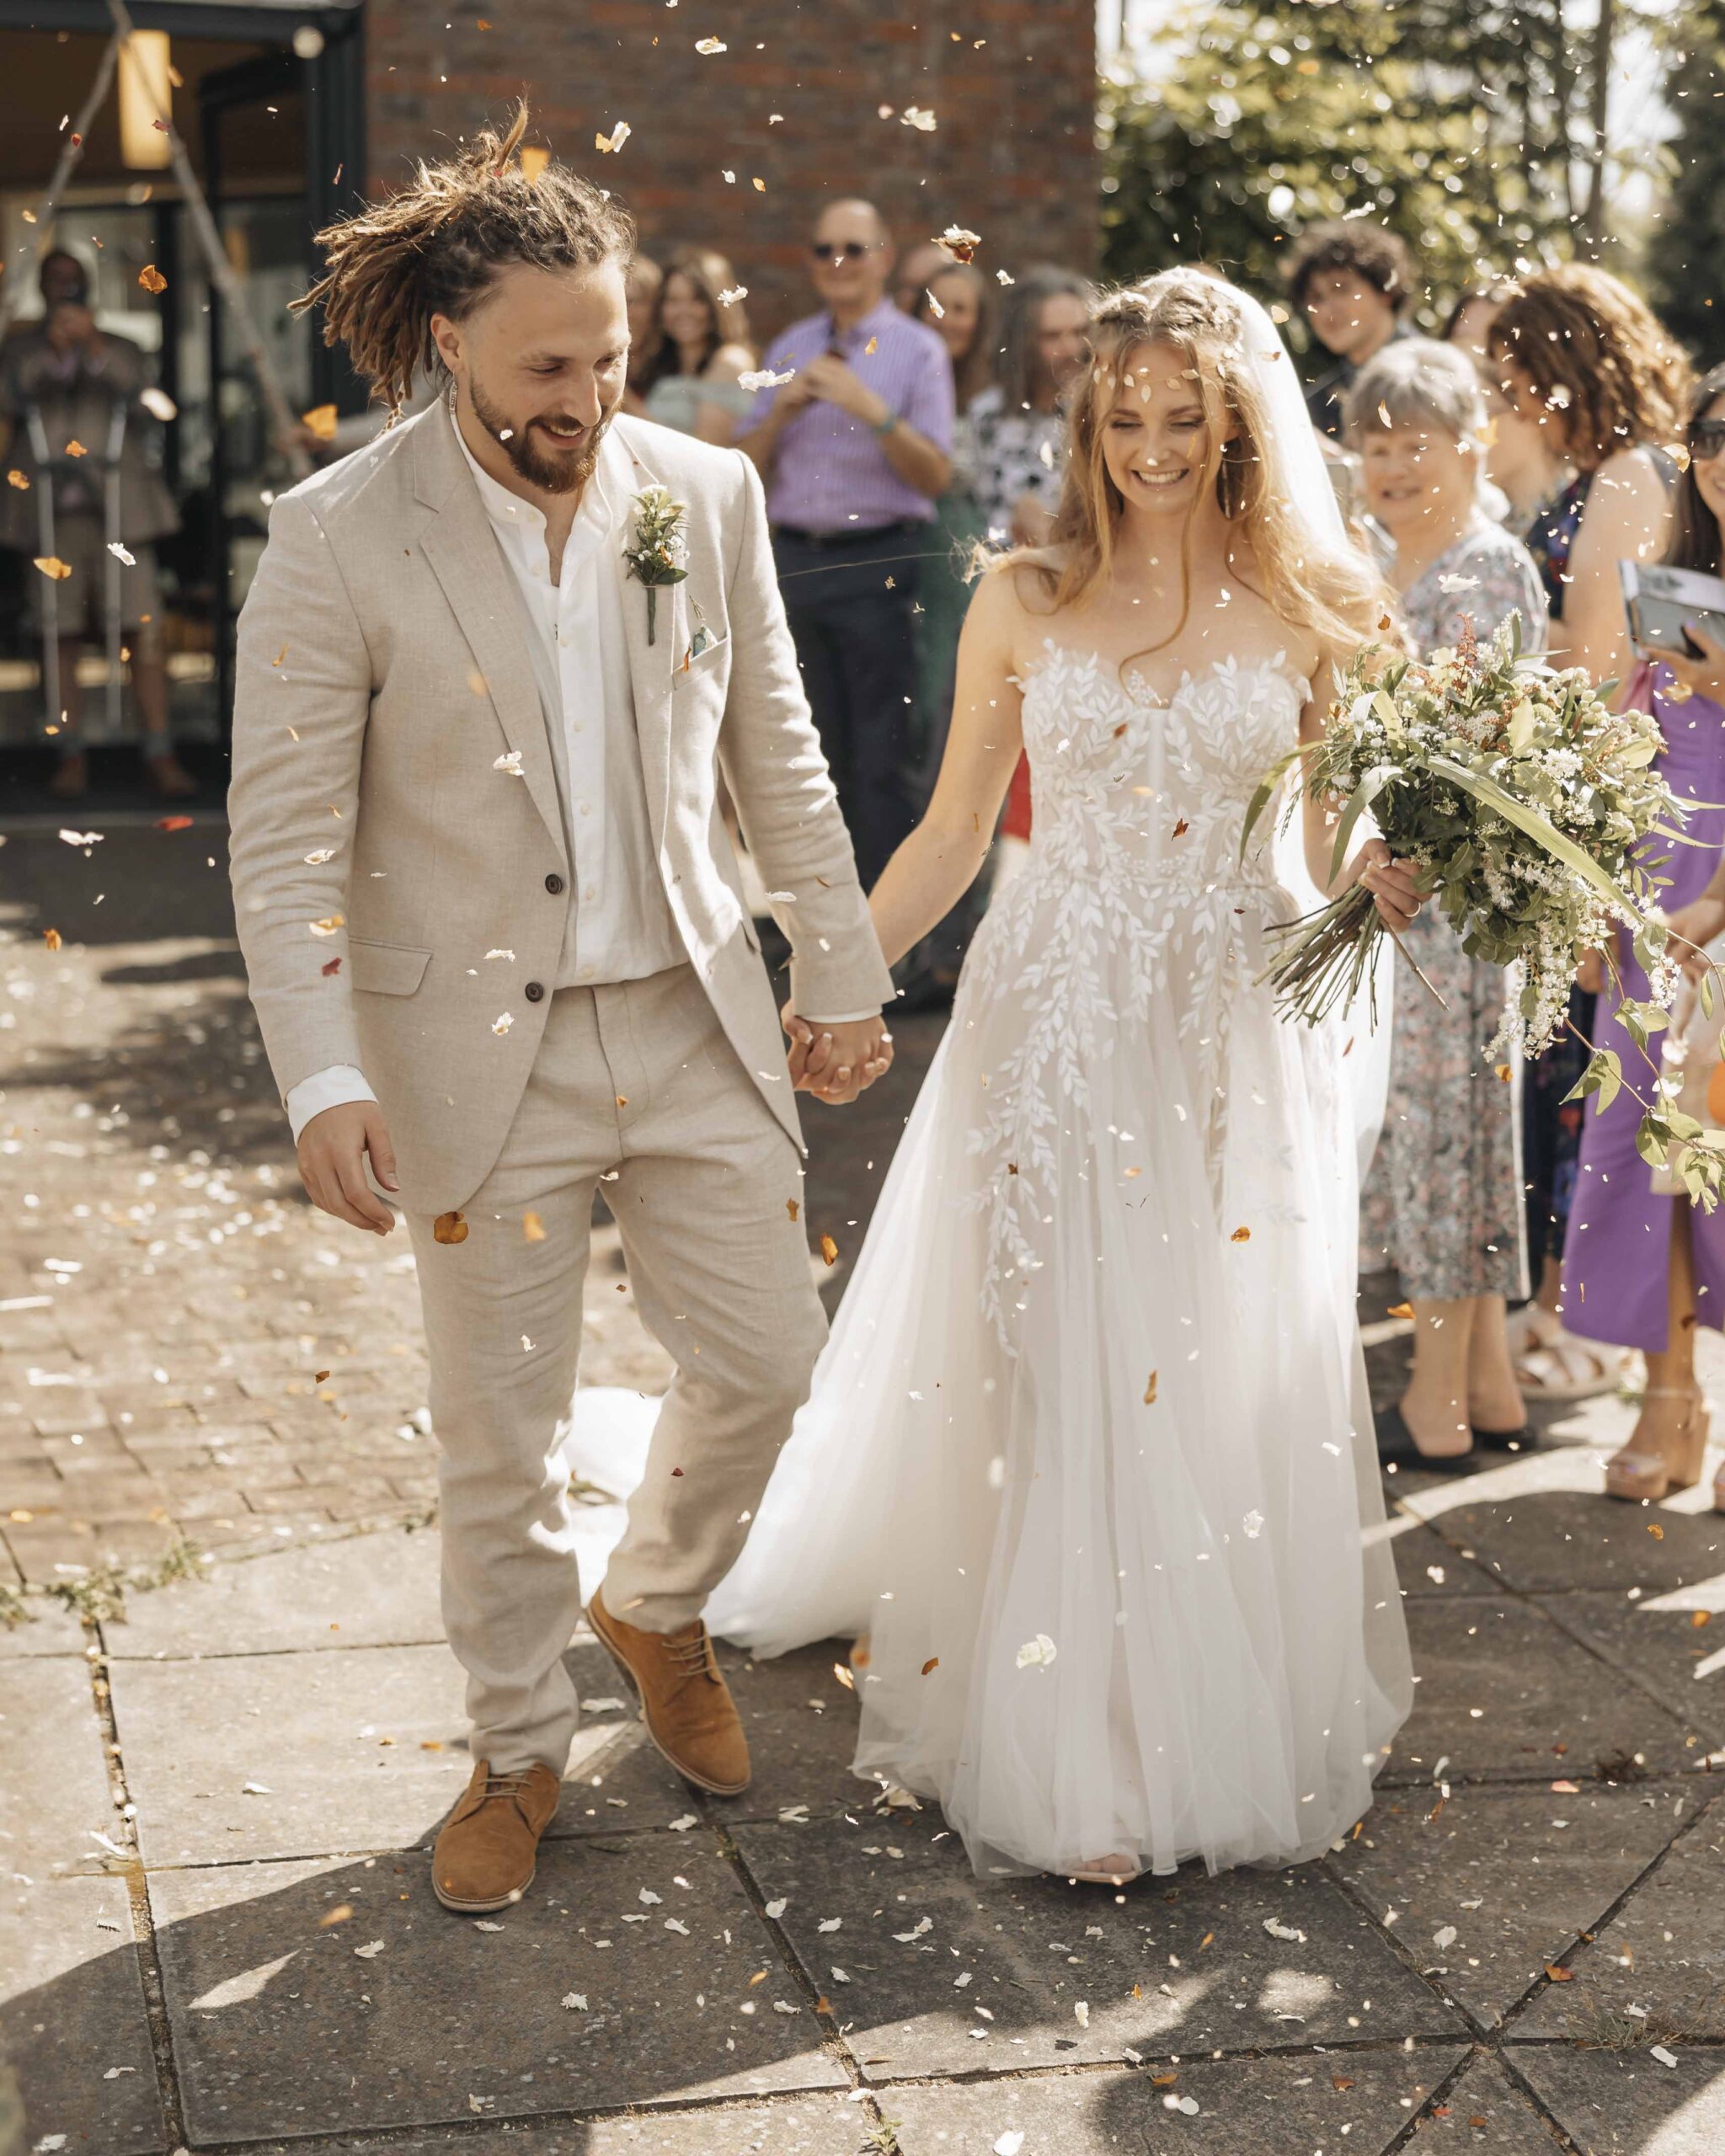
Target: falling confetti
x,y
450,1228
320,422
618,135
150,278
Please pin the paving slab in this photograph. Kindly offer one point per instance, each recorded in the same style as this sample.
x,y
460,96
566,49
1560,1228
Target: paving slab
x,y
1628,2103
367,1590
1663,1650
1663,1951
49,1628
788,2125
801,1725
347,1748
1516,1874
53,1779
1541,1540
989,1975
1483,2108
1245,2106
1504,1693
72,2026
1426,1564
285,2026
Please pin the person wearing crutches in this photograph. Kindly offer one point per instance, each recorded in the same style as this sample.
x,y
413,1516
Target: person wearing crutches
x,y
90,508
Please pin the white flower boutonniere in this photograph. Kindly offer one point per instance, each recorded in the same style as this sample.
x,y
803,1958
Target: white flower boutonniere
x,y
660,553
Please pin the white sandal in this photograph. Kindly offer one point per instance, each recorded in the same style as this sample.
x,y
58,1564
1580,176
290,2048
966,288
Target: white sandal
x,y
1551,1363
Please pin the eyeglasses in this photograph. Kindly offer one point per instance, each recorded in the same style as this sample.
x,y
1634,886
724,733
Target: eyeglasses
x,y
1706,440
846,250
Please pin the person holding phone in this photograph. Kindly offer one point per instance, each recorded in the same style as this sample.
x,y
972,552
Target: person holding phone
x,y
1640,1269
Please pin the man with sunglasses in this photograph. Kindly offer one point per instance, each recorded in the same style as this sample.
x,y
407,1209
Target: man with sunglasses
x,y
854,448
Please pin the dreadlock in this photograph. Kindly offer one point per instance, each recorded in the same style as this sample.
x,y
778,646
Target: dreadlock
x,y
434,246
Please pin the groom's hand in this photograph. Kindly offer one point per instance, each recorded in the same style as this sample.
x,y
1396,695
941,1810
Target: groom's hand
x,y
331,1158
836,1062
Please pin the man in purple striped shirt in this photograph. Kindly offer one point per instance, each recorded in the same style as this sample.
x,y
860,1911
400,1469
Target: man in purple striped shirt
x,y
853,449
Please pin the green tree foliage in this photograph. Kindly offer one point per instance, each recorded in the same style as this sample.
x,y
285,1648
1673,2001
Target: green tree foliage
x,y
1451,121
1686,254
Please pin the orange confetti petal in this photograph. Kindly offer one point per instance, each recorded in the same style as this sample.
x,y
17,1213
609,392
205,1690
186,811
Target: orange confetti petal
x,y
320,422
76,448
791,1207
1656,1530
50,565
829,1249
150,278
1241,1235
1150,1391
532,1227
1559,1975
450,1228
932,1663
173,822
50,936
339,1914
1697,1617
1400,1310
844,1677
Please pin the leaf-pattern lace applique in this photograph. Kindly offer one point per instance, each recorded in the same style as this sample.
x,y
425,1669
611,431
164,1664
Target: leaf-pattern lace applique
x,y
1134,892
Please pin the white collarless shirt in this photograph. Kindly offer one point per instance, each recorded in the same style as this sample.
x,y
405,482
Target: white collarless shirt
x,y
619,926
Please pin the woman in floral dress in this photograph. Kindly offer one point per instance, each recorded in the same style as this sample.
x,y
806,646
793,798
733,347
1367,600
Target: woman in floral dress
x,y
1446,1200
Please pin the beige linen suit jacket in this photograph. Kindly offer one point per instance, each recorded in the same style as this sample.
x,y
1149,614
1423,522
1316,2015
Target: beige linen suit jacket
x,y
378,852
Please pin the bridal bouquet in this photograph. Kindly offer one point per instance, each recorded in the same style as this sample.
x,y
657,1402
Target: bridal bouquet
x,y
1524,797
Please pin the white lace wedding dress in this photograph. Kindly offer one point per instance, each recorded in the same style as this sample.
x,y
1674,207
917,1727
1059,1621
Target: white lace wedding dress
x,y
1089,1457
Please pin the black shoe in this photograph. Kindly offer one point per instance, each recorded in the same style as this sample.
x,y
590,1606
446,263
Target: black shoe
x,y
1397,1444
1525,1439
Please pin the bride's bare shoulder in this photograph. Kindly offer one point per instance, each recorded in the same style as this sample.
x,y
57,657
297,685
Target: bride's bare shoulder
x,y
1014,596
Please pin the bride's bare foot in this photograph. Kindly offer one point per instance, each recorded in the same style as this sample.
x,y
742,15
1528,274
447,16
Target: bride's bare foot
x,y
1114,1869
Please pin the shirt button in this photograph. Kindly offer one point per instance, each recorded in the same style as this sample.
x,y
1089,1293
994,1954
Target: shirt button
x,y
536,991
553,883
586,808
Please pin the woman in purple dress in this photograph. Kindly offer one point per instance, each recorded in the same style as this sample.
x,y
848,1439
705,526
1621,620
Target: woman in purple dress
x,y
1640,1269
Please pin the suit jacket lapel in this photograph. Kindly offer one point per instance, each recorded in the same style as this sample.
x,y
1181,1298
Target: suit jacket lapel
x,y
462,549
651,665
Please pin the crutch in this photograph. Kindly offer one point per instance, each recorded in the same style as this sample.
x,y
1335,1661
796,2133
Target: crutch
x,y
113,587
44,539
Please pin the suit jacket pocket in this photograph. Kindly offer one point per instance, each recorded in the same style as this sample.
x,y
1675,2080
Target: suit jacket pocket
x,y
706,656
386,968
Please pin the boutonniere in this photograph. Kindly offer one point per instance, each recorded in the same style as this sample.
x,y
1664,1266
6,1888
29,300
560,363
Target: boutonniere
x,y
660,553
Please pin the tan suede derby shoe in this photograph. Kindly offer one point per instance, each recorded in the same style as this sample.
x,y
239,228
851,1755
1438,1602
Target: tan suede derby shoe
x,y
685,1705
488,1852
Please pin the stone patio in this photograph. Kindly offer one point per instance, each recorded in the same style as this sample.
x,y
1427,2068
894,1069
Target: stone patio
x,y
216,1793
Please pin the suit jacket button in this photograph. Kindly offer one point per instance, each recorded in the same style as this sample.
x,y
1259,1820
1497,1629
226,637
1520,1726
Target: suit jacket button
x,y
536,991
554,883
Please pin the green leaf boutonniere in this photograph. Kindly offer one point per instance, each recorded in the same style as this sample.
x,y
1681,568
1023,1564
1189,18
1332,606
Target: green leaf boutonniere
x,y
660,554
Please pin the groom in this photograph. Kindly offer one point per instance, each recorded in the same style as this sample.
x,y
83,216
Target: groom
x,y
498,948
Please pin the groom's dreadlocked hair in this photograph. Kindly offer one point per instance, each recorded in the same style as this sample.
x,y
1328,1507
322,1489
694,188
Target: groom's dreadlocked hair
x,y
435,245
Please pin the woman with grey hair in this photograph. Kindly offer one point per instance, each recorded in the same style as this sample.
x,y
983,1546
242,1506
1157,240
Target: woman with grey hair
x,y
1017,430
1444,1201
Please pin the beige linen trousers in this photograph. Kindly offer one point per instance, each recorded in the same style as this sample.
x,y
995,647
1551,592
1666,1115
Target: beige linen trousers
x,y
383,677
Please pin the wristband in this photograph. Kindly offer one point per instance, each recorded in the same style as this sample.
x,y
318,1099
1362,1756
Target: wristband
x,y
884,427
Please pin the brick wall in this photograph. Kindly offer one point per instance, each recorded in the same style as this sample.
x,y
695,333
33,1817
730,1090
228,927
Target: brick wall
x,y
1011,83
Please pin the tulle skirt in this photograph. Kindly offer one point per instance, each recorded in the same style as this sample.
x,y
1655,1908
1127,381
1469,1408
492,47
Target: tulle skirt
x,y
1089,1460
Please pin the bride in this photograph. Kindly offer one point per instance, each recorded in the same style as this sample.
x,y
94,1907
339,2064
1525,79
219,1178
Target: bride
x,y
1088,1467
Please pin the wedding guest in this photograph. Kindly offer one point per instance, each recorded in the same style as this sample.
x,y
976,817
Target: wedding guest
x,y
1017,425
1352,280
1641,1269
1581,358
856,449
922,259
1470,320
691,382
75,392
1444,1197
958,304
1521,462
641,283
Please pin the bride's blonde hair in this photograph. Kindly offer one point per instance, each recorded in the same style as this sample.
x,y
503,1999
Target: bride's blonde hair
x,y
1333,591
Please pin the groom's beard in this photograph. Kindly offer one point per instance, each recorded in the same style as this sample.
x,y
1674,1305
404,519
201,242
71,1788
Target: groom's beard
x,y
553,470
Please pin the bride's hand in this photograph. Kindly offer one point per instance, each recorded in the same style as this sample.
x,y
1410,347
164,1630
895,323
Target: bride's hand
x,y
1393,883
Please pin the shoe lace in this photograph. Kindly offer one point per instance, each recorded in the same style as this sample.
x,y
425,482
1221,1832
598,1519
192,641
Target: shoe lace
x,y
506,1786
691,1651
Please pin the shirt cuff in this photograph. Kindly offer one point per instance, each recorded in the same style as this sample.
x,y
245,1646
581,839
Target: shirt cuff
x,y
839,1017
325,1089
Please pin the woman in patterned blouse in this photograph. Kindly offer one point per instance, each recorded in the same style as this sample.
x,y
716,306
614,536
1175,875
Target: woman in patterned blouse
x,y
1445,1195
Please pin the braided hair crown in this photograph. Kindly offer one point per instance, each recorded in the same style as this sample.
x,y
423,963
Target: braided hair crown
x,y
436,245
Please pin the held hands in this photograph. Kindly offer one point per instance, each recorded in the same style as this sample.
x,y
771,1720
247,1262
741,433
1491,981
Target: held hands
x,y
1393,883
836,1063
332,1160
